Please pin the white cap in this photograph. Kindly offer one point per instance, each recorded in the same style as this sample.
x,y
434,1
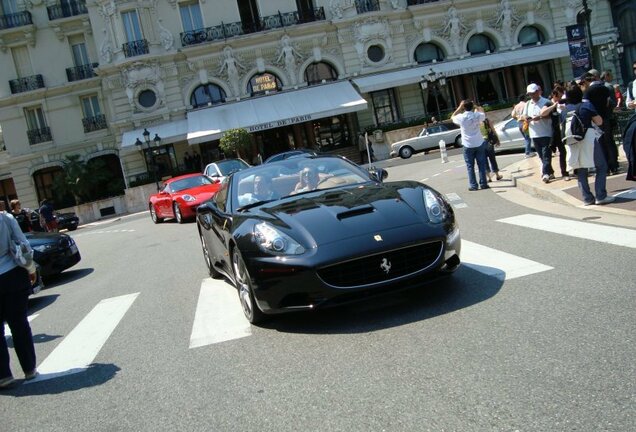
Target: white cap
x,y
532,88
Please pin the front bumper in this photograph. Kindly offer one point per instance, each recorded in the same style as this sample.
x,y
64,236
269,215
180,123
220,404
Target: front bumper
x,y
312,281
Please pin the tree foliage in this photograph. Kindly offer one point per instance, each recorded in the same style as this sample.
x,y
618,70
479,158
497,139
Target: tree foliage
x,y
80,179
235,141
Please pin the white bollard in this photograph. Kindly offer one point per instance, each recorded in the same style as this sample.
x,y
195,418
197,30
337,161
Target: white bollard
x,y
442,151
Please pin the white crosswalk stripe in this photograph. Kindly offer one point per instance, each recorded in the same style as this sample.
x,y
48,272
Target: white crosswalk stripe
x,y
497,263
78,350
218,317
584,230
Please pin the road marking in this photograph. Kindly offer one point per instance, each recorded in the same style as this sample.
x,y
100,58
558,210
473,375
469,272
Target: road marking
x,y
7,330
584,230
425,180
78,350
453,197
219,315
502,265
435,175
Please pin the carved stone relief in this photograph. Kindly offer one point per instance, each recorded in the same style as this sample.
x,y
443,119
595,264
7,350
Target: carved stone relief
x,y
140,76
288,55
232,68
372,30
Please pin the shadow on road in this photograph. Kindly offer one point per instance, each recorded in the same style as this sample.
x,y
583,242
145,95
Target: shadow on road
x,y
67,276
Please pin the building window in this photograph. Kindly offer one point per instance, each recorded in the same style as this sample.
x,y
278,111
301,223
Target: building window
x,y
9,7
384,107
78,49
132,28
22,61
207,94
264,83
375,53
90,106
190,16
250,18
319,72
530,35
44,180
147,98
37,130
480,44
427,53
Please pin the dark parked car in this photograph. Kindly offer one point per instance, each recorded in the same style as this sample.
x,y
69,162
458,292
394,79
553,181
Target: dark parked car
x,y
53,252
330,234
290,154
68,221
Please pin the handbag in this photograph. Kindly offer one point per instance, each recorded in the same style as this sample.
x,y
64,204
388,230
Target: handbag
x,y
21,253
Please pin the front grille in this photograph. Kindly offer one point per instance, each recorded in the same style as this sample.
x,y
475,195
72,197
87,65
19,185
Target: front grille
x,y
373,269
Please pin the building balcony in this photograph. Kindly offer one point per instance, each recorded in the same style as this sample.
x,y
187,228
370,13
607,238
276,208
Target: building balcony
x,y
69,9
135,48
25,84
419,2
225,31
364,6
92,124
82,72
15,20
41,135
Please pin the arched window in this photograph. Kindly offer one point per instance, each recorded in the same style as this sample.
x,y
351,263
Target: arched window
x,y
44,180
207,94
480,44
530,35
427,52
317,72
262,83
109,178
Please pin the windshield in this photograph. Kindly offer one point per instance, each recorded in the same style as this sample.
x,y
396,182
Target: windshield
x,y
293,176
189,182
227,167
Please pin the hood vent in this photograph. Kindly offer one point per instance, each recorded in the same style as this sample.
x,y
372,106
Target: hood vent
x,y
355,212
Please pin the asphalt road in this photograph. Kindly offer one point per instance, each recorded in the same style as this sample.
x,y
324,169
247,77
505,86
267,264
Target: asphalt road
x,y
534,333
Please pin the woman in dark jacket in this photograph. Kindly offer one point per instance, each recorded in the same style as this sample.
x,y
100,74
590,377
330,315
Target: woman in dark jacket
x,y
21,215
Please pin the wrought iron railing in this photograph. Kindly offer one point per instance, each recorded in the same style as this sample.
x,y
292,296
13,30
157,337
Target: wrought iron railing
x,y
69,9
224,31
135,48
419,2
91,124
82,72
15,20
363,6
29,83
39,135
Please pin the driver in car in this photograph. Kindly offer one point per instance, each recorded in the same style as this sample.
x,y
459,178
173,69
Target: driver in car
x,y
309,180
262,191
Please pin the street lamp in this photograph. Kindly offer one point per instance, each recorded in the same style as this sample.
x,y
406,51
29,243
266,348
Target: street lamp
x,y
587,14
436,80
148,150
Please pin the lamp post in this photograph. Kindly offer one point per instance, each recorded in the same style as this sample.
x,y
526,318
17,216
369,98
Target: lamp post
x,y
149,149
587,14
612,51
436,81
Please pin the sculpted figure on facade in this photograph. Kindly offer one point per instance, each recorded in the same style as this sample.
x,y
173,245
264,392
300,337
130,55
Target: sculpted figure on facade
x,y
231,67
288,54
506,20
106,49
454,28
339,8
167,40
369,31
143,75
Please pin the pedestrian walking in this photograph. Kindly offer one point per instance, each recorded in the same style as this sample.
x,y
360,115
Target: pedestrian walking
x,y
47,216
600,96
21,215
589,151
517,114
469,119
540,129
15,286
493,141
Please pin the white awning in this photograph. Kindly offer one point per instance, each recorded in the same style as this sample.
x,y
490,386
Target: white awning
x,y
478,63
168,132
268,112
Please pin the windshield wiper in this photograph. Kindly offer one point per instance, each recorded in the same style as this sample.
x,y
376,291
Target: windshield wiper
x,y
254,204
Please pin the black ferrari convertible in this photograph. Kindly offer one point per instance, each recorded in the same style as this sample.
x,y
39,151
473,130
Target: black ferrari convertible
x,y
328,234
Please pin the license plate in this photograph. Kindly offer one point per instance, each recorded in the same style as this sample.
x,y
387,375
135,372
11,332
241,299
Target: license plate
x,y
74,249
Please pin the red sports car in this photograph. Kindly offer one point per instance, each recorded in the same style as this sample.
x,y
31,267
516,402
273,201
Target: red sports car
x,y
180,196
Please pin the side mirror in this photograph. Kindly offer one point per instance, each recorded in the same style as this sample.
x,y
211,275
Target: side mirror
x,y
378,174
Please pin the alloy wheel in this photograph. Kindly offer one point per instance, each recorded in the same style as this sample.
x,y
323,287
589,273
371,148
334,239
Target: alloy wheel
x,y
177,213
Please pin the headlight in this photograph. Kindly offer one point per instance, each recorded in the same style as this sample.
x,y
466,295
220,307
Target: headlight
x,y
435,208
44,248
271,240
188,198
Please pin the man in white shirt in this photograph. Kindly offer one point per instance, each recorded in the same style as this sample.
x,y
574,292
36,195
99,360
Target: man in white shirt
x,y
474,144
537,112
631,91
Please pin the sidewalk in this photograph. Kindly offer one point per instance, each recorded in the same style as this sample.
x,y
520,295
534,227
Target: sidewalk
x,y
526,176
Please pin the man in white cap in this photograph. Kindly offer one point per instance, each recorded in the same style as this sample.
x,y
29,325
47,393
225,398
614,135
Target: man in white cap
x,y
537,112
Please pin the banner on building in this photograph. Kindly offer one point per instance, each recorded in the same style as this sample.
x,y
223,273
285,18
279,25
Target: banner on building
x,y
579,51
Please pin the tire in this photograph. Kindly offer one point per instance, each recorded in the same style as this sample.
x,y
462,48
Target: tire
x,y
406,152
244,286
208,261
458,141
72,228
177,213
153,214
